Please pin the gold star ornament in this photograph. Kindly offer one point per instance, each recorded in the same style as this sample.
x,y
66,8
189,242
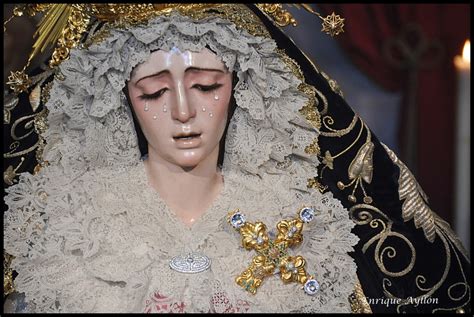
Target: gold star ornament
x,y
333,24
18,81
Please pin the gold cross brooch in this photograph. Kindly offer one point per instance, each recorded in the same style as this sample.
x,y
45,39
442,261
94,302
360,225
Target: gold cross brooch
x,y
273,257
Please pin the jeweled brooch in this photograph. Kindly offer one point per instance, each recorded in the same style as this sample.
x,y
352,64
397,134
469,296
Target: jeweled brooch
x,y
273,257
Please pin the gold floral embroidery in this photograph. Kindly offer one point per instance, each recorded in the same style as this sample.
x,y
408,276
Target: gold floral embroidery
x,y
358,301
314,183
8,286
18,81
275,10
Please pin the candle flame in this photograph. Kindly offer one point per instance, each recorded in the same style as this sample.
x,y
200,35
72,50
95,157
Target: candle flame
x,y
466,51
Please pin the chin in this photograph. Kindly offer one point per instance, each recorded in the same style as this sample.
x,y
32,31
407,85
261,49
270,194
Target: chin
x,y
187,164
188,160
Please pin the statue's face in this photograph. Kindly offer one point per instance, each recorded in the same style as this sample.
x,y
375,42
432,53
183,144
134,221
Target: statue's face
x,y
181,100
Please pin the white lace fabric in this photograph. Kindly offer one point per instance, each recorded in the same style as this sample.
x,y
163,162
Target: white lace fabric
x,y
89,235
111,252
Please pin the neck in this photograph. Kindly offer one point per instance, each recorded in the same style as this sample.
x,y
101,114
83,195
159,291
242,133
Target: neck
x,y
188,192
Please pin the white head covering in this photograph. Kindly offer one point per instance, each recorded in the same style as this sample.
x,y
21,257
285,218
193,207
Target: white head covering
x,y
90,121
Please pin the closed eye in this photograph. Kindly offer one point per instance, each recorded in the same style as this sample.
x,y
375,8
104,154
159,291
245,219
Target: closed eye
x,y
153,96
207,88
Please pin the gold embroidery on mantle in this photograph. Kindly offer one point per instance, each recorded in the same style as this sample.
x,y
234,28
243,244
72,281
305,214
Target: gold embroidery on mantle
x,y
18,81
328,159
415,206
10,173
328,120
314,183
387,249
333,84
360,169
9,103
33,122
358,301
275,10
8,286
324,102
309,110
365,216
41,126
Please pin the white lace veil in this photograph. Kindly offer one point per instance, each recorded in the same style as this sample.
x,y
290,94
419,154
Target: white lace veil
x,y
90,121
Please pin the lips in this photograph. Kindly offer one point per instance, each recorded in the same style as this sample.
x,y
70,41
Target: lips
x,y
186,136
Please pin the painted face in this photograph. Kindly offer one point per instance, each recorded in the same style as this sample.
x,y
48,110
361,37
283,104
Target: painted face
x,y
181,100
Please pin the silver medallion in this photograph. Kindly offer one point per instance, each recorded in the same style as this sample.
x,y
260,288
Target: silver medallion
x,y
190,263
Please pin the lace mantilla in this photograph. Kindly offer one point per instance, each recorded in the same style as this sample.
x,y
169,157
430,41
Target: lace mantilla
x,y
89,234
106,239
89,118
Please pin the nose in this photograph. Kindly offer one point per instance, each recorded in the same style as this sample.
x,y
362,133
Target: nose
x,y
182,111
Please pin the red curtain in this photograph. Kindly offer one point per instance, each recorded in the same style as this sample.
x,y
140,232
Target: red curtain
x,y
367,28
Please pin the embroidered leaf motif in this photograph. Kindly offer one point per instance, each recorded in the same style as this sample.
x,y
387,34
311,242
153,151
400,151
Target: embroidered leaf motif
x,y
9,103
362,164
35,97
328,160
414,205
444,227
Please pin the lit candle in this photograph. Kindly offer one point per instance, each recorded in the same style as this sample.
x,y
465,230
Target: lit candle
x,y
463,140
464,62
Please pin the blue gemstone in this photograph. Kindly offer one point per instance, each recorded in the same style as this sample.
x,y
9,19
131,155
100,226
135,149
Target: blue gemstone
x,y
237,220
311,287
307,214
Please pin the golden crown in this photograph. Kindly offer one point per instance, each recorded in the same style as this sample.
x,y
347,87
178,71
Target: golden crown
x,y
63,25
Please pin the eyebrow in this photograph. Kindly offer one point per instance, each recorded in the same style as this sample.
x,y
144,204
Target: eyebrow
x,y
187,69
